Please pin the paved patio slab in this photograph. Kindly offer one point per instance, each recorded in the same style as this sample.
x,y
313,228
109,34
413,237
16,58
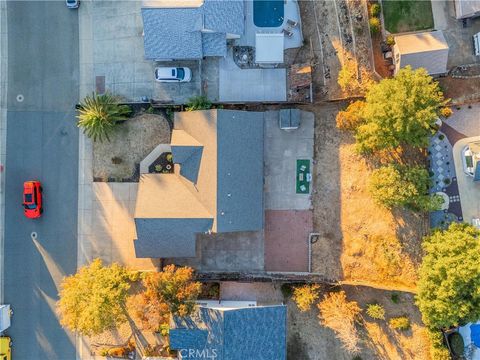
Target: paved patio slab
x,y
469,190
250,85
281,151
286,240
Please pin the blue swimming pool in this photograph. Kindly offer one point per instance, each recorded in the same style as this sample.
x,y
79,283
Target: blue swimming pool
x,y
268,13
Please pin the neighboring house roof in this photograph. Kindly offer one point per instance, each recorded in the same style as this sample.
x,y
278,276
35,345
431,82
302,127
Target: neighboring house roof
x,y
255,333
467,8
217,185
427,50
190,32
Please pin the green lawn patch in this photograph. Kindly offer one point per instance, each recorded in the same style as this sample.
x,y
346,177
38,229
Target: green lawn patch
x,y
407,15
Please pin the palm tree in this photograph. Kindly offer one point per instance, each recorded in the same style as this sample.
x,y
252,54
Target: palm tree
x,y
98,115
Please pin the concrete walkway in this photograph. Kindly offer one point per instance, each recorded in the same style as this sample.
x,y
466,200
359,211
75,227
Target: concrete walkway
x,y
469,190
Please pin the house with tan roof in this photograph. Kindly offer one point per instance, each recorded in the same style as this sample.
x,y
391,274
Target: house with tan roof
x,y
216,187
427,50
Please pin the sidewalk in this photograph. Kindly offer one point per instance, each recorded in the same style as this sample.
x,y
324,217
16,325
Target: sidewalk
x,y
3,126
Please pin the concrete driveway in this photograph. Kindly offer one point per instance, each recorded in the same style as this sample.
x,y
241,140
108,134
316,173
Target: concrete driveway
x,y
112,55
459,38
469,190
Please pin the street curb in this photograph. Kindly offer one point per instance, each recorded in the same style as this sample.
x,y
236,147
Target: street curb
x,y
85,156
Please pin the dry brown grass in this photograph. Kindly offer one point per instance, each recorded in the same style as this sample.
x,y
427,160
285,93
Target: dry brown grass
x,y
360,240
373,247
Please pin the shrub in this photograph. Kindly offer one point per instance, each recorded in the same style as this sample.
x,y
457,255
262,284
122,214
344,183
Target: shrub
x,y
395,297
376,311
400,323
98,115
200,102
340,315
304,296
446,112
374,25
375,10
456,343
287,290
390,40
118,352
103,352
401,185
351,118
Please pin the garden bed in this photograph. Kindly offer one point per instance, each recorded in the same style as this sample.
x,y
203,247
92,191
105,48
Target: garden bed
x,y
162,165
118,160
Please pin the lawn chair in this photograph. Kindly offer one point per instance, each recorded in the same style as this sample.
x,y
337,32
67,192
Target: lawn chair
x,y
291,23
287,33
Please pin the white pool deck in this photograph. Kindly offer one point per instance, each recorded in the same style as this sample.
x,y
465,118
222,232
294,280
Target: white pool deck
x,y
292,12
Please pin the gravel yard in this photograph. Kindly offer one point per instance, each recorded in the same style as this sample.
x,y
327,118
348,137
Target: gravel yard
x,y
118,159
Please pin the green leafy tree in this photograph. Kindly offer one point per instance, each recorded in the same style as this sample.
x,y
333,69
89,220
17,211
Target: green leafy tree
x,y
93,299
98,115
400,111
449,277
304,296
401,185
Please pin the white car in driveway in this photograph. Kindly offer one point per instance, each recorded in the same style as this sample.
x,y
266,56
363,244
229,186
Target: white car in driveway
x,y
173,74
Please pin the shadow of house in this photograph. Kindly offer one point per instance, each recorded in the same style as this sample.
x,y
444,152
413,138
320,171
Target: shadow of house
x,y
217,185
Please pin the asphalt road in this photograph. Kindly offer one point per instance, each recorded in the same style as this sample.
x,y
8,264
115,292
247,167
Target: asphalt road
x,y
42,143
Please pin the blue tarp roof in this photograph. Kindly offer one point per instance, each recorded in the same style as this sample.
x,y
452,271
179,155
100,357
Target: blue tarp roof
x,y
257,333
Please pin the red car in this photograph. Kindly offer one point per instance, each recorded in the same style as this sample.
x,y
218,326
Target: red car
x,y
32,199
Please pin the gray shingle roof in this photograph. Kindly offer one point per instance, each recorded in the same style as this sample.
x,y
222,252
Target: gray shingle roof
x,y
168,238
169,34
239,171
175,33
257,333
189,158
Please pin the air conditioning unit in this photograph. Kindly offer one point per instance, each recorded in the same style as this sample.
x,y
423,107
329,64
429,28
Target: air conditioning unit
x,y
476,44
